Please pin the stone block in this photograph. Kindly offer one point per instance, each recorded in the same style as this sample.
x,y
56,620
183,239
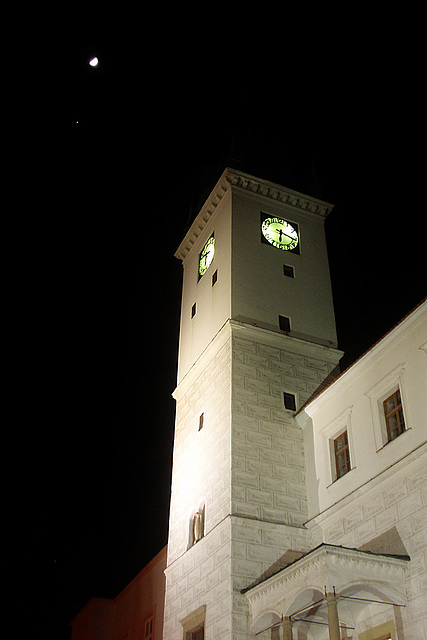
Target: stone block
x,y
412,503
335,531
353,519
244,345
306,373
373,506
245,568
261,498
321,365
395,493
271,401
257,361
259,468
386,519
259,438
295,460
272,455
266,555
284,368
294,358
257,385
419,520
272,485
246,531
255,411
365,532
269,376
282,471
295,384
269,426
245,479
418,542
245,510
270,352
246,450
273,515
286,503
297,490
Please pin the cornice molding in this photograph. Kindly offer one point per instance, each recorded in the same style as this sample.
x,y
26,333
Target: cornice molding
x,y
330,566
232,178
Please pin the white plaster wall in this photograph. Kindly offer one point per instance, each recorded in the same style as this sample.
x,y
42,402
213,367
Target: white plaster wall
x,y
352,401
260,290
381,504
213,303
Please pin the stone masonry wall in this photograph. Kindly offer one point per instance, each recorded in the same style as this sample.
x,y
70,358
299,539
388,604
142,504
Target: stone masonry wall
x,y
268,467
269,503
246,465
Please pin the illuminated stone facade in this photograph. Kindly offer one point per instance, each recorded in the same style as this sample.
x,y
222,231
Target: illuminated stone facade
x,y
289,548
271,535
245,467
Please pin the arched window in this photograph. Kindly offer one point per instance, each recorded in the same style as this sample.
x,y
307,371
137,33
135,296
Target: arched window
x,y
198,528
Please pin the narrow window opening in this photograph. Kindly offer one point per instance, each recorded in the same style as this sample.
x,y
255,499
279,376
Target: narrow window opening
x,y
393,414
342,455
288,271
290,401
201,421
198,525
214,277
284,323
193,310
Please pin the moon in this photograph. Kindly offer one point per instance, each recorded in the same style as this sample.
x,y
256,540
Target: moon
x,y
94,62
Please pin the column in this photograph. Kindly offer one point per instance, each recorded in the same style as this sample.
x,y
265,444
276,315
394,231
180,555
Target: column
x,y
287,628
333,620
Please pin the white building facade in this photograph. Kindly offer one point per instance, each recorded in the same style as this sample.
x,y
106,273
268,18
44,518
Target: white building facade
x,y
284,510
368,526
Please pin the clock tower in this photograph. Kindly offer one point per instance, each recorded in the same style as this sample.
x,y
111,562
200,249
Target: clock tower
x,y
257,337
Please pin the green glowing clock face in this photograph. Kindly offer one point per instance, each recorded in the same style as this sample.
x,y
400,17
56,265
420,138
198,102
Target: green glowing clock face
x,y
206,256
279,233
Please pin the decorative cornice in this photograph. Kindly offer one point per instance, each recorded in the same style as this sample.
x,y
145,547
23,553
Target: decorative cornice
x,y
329,564
251,184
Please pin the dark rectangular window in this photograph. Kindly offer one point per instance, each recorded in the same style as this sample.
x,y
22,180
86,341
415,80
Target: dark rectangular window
x,y
284,323
193,310
288,271
199,634
393,413
342,454
290,401
214,277
201,421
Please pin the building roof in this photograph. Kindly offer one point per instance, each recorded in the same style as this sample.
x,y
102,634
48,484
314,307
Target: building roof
x,y
326,547
271,190
335,375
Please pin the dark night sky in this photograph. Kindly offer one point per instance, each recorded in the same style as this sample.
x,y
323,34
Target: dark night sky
x,y
129,149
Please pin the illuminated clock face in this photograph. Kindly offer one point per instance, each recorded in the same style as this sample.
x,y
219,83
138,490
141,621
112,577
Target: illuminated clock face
x,y
279,233
206,256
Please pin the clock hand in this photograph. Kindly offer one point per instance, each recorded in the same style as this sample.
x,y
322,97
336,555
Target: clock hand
x,y
280,232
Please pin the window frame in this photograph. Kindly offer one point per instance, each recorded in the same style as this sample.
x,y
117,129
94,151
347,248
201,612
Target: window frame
x,y
286,320
396,411
150,616
332,431
345,450
294,395
194,622
377,394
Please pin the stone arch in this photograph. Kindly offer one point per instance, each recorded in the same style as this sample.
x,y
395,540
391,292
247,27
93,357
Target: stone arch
x,y
307,605
266,620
